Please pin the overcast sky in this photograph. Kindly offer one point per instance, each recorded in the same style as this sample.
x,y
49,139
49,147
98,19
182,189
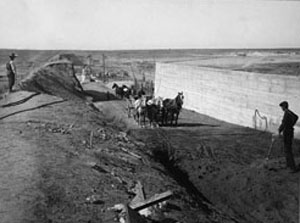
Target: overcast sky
x,y
148,24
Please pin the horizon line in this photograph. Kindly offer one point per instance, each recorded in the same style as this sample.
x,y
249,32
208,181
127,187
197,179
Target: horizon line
x,y
157,49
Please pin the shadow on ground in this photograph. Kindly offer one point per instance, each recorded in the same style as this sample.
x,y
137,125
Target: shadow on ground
x,y
100,96
195,125
189,125
20,101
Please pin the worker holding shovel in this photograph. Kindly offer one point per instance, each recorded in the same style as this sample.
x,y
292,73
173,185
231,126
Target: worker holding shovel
x,y
287,130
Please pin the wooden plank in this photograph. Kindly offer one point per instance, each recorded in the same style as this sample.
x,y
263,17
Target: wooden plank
x,y
157,198
133,216
139,194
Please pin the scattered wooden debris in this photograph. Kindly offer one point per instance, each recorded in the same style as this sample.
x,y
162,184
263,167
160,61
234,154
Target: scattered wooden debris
x,y
67,130
131,153
99,168
127,214
132,212
157,198
102,133
103,169
122,136
120,179
138,190
133,216
91,139
94,199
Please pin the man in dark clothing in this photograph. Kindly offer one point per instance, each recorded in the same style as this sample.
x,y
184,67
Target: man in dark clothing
x,y
287,128
11,72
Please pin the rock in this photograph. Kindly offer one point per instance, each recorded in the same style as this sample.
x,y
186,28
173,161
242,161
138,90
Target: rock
x,y
94,199
117,207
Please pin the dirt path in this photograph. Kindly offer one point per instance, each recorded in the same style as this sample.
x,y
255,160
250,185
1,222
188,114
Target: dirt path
x,y
43,177
18,162
19,176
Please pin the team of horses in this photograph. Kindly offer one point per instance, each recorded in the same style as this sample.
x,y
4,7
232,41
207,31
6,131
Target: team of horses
x,y
158,111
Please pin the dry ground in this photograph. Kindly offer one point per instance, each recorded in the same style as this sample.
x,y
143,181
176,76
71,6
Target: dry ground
x,y
216,170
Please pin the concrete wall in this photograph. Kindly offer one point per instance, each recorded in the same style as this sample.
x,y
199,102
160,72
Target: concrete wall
x,y
232,96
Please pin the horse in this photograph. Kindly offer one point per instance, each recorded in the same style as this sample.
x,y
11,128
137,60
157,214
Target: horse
x,y
141,92
119,90
154,108
140,111
126,91
172,108
130,105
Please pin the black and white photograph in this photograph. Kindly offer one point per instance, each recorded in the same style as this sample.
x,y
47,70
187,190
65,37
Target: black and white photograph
x,y
150,111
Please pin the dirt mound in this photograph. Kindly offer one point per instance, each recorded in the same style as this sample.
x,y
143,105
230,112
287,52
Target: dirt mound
x,y
55,78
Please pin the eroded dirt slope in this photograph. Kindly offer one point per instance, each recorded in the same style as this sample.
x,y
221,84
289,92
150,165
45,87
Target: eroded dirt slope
x,y
226,163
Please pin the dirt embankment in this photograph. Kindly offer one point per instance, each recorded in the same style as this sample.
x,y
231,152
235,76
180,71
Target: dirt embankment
x,y
227,165
58,151
55,78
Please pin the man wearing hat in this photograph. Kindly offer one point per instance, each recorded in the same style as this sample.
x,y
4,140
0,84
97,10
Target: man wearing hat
x,y
287,129
11,71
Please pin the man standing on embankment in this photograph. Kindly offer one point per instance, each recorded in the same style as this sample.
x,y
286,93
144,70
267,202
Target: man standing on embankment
x,y
287,128
11,70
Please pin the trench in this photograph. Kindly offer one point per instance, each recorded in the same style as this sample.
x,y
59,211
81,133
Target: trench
x,y
165,155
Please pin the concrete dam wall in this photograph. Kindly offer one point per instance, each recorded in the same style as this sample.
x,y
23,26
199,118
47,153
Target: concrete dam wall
x,y
243,98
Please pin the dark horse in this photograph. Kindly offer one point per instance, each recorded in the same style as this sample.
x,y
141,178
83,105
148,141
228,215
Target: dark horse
x,y
126,91
119,90
154,108
171,109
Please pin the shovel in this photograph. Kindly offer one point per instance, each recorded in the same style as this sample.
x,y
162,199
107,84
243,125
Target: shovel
x,y
274,137
265,161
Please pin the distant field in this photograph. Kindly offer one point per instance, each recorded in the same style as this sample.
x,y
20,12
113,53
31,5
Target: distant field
x,y
141,63
288,68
